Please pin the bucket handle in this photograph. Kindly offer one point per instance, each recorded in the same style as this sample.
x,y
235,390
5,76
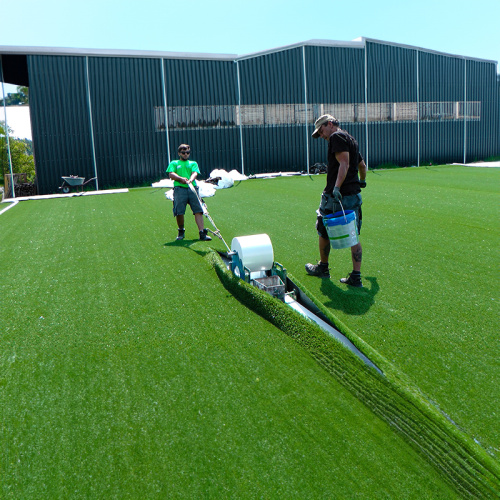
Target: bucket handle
x,y
343,211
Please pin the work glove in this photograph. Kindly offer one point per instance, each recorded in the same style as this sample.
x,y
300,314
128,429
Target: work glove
x,y
337,197
362,184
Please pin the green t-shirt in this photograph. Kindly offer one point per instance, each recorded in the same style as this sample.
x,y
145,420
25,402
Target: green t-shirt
x,y
183,169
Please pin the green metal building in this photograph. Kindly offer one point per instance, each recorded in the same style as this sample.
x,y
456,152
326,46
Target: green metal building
x,y
120,115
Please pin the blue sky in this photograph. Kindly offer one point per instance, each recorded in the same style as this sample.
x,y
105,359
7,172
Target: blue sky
x,y
237,27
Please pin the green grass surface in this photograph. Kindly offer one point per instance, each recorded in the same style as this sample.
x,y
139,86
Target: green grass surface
x,y
390,396
128,370
430,264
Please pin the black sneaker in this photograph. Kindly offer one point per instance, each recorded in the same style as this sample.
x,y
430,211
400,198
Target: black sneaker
x,y
352,280
318,269
204,236
180,236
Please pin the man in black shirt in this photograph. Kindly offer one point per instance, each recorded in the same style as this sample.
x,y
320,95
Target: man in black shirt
x,y
342,186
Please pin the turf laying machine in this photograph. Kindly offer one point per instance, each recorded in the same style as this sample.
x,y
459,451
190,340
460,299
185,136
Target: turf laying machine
x,y
252,260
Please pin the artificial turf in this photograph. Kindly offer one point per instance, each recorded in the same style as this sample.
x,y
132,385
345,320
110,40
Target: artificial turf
x,y
127,370
430,266
391,395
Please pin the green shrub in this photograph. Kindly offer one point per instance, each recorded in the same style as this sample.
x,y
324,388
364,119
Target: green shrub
x,y
21,156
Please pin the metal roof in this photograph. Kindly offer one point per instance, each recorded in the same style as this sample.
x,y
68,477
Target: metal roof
x,y
356,43
423,49
68,51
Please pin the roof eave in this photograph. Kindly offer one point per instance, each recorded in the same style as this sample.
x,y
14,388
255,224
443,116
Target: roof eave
x,y
69,51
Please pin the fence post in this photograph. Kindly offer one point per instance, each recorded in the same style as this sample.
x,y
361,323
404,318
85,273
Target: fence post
x,y
7,130
305,102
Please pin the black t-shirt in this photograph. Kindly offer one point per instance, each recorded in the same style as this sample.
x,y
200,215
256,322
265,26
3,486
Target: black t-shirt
x,y
342,141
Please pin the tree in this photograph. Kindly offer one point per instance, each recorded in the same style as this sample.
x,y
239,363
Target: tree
x,y
22,160
20,97
23,93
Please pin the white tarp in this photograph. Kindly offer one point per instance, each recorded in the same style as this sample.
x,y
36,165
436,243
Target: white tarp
x,y
224,179
227,179
164,183
236,176
480,164
205,190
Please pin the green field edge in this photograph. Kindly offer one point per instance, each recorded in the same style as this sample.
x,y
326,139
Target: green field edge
x,y
461,461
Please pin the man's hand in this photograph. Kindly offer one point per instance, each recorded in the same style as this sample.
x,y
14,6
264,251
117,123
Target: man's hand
x,y
337,197
362,183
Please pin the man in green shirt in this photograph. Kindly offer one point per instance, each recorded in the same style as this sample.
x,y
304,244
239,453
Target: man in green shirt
x,y
183,172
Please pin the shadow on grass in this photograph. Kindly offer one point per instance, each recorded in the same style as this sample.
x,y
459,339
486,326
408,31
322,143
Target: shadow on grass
x,y
190,245
353,301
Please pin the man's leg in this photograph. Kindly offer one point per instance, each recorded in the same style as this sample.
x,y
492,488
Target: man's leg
x,y
179,209
180,226
356,254
324,250
354,278
321,268
196,207
199,222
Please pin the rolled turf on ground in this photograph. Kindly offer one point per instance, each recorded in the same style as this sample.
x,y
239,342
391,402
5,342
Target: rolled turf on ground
x,y
101,361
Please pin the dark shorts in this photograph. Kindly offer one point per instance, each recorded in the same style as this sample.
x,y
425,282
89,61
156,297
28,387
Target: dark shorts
x,y
328,206
182,198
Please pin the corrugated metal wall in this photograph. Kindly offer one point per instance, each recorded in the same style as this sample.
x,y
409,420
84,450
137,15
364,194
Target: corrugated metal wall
x,y
441,79
335,76
201,95
133,112
124,93
273,130
483,136
59,119
391,83
127,103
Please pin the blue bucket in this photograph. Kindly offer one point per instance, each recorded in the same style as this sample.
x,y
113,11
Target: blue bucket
x,y
342,229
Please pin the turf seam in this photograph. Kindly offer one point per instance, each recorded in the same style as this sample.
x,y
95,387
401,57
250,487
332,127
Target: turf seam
x,y
462,462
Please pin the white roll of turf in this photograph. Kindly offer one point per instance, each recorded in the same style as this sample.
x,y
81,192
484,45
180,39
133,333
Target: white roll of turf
x,y
255,251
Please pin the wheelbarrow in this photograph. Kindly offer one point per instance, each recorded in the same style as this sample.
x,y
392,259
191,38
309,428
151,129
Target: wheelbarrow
x,y
73,181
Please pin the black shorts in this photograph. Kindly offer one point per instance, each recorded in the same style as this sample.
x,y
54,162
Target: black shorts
x,y
183,196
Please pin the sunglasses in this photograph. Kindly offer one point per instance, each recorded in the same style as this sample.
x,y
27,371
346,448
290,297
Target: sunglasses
x,y
185,151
